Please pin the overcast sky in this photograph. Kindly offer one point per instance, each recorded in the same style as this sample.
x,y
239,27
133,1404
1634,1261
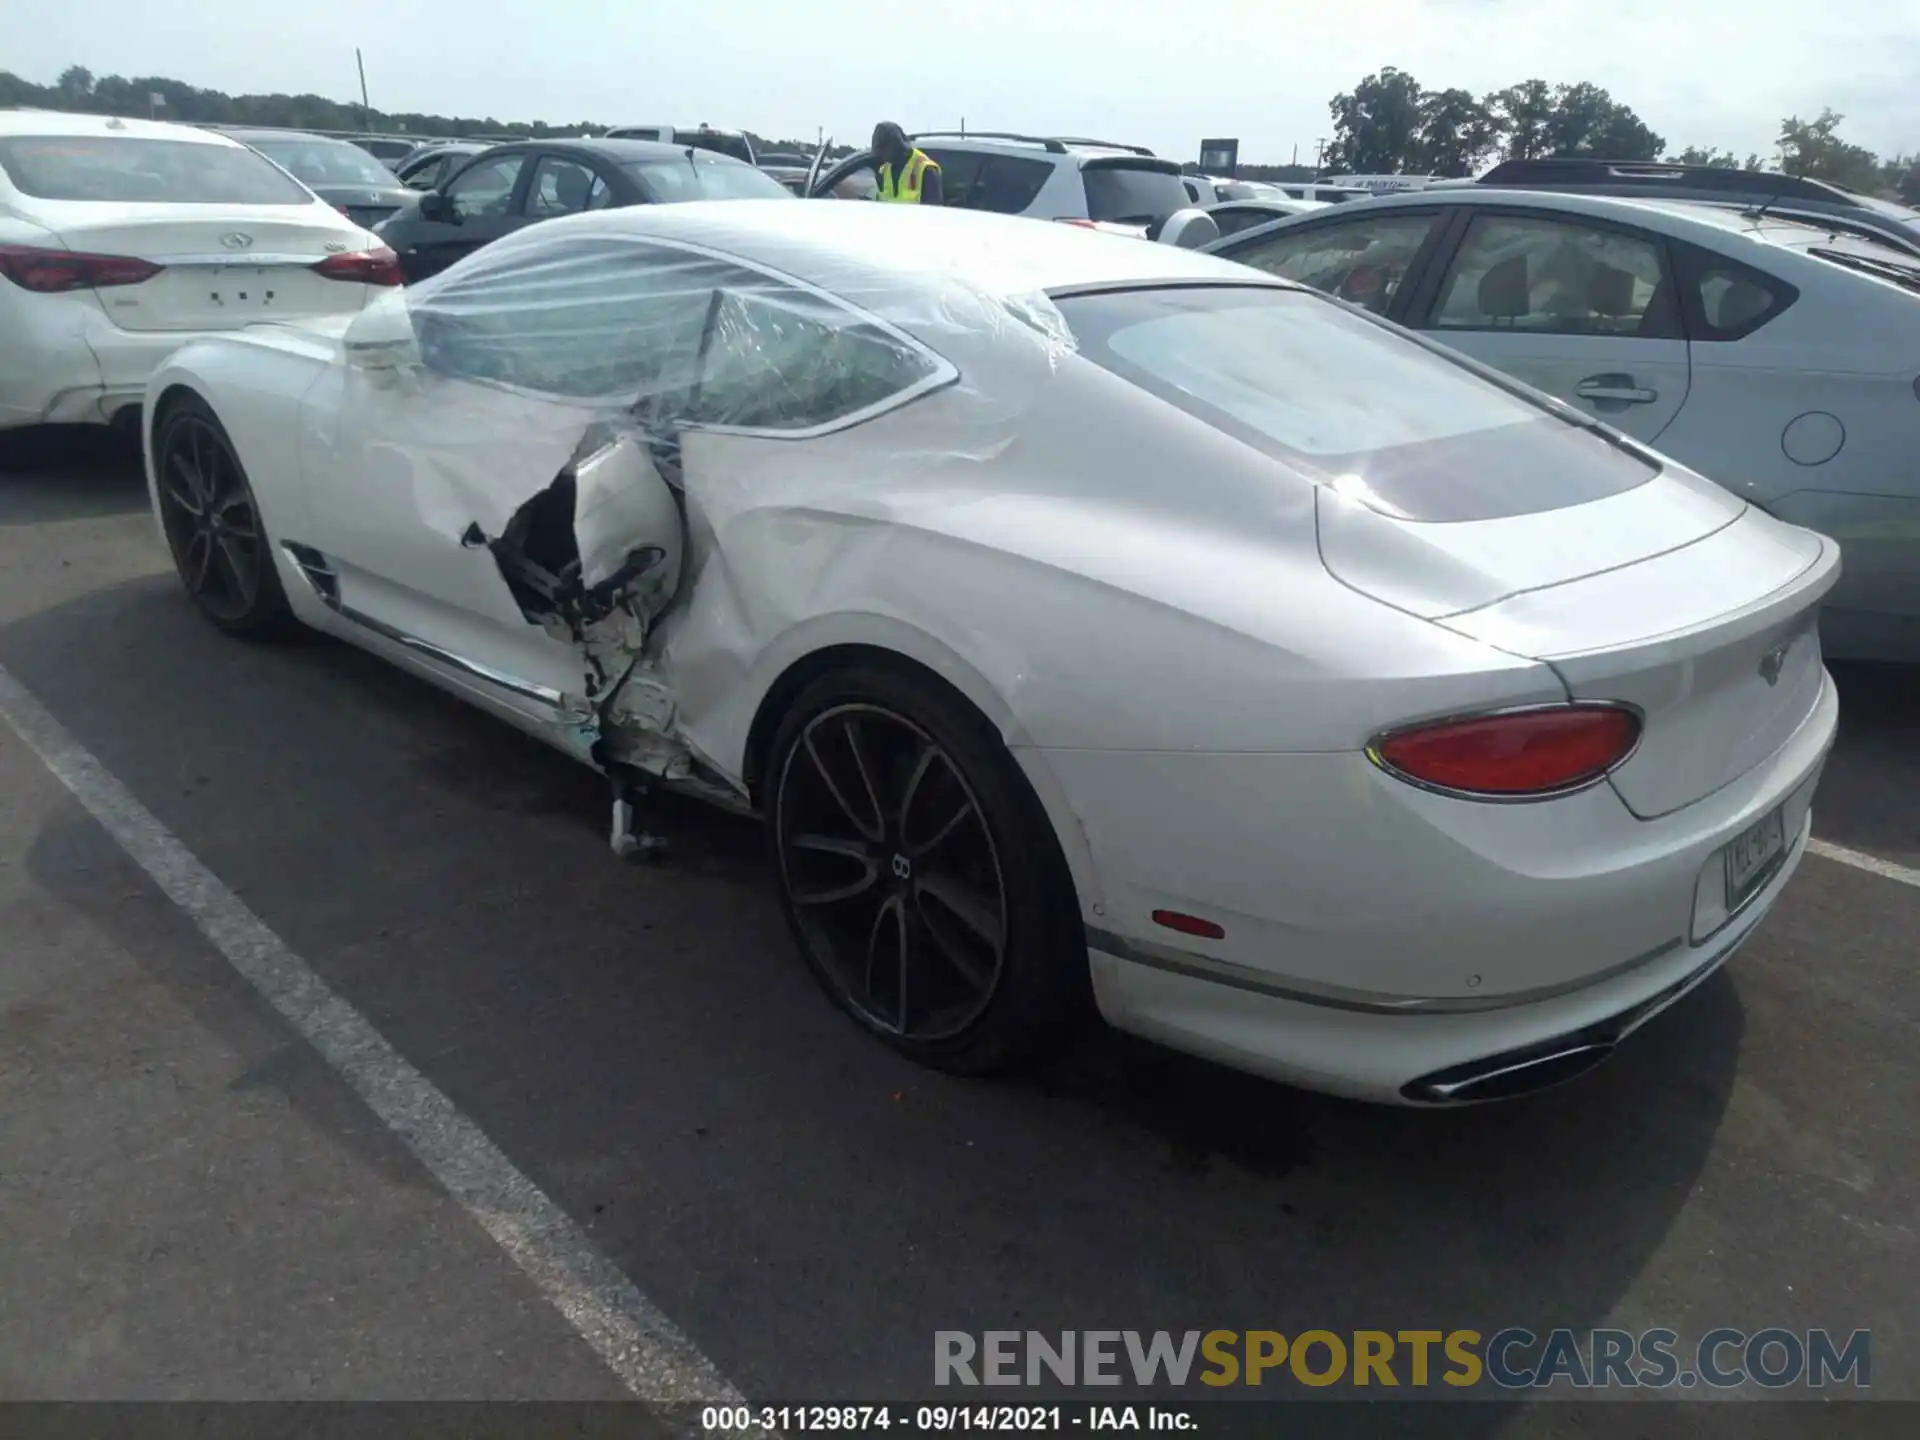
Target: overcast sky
x,y
1704,72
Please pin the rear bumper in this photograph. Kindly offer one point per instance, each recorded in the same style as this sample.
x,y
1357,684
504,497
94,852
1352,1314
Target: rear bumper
x,y
1415,1059
1392,946
74,366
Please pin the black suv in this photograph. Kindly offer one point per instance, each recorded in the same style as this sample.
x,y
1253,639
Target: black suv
x,y
1791,197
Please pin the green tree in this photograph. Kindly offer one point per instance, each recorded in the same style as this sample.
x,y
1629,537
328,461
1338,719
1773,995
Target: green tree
x,y
1813,148
75,82
1718,159
1456,133
1377,125
1901,178
1586,120
1523,112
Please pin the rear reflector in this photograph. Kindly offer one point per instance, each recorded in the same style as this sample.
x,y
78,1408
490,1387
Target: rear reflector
x,y
1189,924
369,267
1083,224
52,272
1523,754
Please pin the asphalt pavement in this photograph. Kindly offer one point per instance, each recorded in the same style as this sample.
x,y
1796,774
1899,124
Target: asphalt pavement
x,y
200,1198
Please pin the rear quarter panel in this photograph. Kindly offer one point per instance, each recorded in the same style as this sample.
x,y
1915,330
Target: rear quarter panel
x,y
255,381
1815,418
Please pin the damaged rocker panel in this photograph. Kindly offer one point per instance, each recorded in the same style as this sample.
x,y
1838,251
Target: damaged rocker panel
x,y
320,576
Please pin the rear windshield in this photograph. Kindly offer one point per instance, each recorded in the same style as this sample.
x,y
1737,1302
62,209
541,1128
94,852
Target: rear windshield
x,y
690,179
734,145
322,162
125,170
1350,402
1132,194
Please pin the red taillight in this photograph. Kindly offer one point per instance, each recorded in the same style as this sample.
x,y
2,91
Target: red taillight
x,y
368,267
51,272
1083,224
1521,754
1190,924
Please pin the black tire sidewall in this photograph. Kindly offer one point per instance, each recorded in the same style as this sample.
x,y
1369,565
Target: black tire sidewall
x,y
1044,980
269,615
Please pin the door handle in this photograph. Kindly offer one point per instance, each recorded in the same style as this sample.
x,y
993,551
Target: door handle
x,y
1618,388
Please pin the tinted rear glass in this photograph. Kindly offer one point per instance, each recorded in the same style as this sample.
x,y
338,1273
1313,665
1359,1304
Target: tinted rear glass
x,y
319,161
687,179
1349,402
123,170
1132,194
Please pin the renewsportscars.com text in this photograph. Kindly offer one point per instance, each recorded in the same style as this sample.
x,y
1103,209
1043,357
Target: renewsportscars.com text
x,y
1510,1359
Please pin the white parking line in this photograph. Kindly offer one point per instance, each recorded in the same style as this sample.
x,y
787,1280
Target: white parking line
x,y
1860,860
641,1345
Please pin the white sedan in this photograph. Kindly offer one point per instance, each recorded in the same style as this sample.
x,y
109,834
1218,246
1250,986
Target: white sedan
x,y
120,239
1778,358
1085,619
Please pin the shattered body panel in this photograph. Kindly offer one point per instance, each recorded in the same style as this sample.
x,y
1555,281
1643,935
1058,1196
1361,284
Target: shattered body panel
x,y
551,446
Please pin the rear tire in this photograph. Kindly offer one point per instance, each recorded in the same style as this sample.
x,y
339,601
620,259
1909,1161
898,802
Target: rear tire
x,y
212,524
919,873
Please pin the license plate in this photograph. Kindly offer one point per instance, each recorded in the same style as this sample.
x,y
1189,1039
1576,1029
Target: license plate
x,y
1752,856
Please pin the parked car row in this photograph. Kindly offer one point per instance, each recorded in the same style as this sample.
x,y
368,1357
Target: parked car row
x,y
1779,356
1759,328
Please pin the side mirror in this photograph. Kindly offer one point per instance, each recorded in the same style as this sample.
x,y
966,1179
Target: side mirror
x,y
434,206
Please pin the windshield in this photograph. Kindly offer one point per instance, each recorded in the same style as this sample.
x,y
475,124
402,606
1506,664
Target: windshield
x,y
319,161
1132,194
689,178
123,170
1350,402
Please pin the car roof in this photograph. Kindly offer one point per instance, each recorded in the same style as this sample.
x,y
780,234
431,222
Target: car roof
x,y
1038,147
864,251
271,132
1699,220
64,122
622,151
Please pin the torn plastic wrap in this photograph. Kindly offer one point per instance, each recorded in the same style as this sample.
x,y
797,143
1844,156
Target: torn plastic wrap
x,y
578,384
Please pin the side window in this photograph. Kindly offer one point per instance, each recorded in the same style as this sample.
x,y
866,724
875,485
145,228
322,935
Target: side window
x,y
1726,300
1008,184
1362,261
600,321
780,359
1553,277
959,176
564,187
486,188
858,183
427,177
1234,219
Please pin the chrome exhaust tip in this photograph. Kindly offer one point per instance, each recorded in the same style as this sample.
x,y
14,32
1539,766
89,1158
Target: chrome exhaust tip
x,y
1508,1076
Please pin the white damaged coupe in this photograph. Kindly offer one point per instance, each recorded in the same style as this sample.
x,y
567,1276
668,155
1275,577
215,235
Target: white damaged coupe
x,y
1088,621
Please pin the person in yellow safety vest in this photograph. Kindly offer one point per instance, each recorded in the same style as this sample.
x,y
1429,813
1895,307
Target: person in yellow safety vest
x,y
907,176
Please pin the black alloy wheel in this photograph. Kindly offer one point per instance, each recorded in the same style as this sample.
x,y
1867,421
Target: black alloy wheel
x,y
919,875
212,523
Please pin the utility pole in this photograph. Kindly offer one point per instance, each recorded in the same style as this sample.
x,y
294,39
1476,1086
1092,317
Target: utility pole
x,y
1296,154
1320,155
366,110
